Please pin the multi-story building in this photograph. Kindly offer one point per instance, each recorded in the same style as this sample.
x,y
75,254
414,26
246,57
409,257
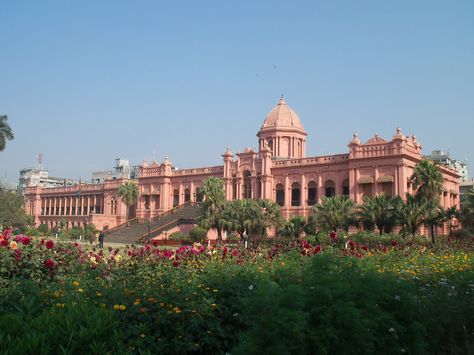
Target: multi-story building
x,y
446,160
122,169
40,177
279,170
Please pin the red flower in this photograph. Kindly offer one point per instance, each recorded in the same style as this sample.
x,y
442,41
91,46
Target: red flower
x,y
175,263
49,264
17,254
49,244
155,242
235,253
26,240
394,243
364,247
4,243
317,249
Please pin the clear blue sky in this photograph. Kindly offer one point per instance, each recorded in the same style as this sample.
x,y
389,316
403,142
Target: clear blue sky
x,y
85,82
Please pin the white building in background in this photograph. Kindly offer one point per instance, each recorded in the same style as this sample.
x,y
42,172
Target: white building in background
x,y
122,169
446,160
40,177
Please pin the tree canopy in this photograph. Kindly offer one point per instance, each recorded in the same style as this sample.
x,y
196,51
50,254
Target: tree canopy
x,y
6,132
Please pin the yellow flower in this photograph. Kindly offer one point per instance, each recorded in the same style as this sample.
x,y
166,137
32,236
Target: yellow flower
x,y
98,294
80,290
75,283
13,245
137,301
213,305
142,335
122,307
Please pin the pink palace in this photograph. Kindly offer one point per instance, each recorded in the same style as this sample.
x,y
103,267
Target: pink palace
x,y
280,171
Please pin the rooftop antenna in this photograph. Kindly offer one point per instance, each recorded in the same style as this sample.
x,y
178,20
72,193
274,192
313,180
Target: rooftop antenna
x,y
39,160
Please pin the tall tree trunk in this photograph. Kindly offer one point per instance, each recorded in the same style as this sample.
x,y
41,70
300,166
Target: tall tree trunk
x,y
219,236
433,237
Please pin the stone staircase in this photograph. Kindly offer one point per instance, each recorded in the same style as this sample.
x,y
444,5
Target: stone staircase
x,y
136,229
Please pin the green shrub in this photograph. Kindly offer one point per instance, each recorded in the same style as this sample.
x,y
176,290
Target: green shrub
x,y
198,235
43,229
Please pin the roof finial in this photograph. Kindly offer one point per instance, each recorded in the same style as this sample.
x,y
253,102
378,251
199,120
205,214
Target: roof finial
x,y
282,100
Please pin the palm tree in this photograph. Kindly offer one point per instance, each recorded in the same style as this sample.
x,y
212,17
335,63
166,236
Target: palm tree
x,y
212,208
467,210
435,217
265,215
294,227
427,180
378,211
237,216
450,215
128,193
411,214
334,213
6,132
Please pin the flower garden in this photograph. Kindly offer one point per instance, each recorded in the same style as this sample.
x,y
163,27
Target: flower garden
x,y
322,295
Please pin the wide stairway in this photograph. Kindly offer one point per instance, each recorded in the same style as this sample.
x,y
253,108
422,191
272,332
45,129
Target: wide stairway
x,y
133,232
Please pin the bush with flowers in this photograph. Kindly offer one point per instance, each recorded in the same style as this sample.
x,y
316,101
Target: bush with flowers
x,y
326,295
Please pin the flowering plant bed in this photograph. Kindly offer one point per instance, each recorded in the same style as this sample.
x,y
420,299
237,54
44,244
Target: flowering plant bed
x,y
338,296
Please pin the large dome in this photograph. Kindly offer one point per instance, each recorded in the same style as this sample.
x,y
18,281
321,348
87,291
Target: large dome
x,y
282,116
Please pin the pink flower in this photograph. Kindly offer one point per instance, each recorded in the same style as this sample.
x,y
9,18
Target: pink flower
x,y
235,253
49,264
49,244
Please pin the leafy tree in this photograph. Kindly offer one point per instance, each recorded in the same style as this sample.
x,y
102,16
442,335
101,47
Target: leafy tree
x,y
43,229
11,209
90,232
128,193
75,232
6,132
293,228
212,208
334,213
198,235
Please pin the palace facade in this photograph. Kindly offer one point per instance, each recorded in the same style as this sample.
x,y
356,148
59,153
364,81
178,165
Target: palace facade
x,y
279,171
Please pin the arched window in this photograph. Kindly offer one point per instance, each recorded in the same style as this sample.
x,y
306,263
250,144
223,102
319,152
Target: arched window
x,y
330,188
280,194
295,194
270,144
199,195
247,184
312,193
187,195
175,198
345,187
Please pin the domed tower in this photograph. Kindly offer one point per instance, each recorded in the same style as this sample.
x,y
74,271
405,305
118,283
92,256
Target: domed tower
x,y
283,133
